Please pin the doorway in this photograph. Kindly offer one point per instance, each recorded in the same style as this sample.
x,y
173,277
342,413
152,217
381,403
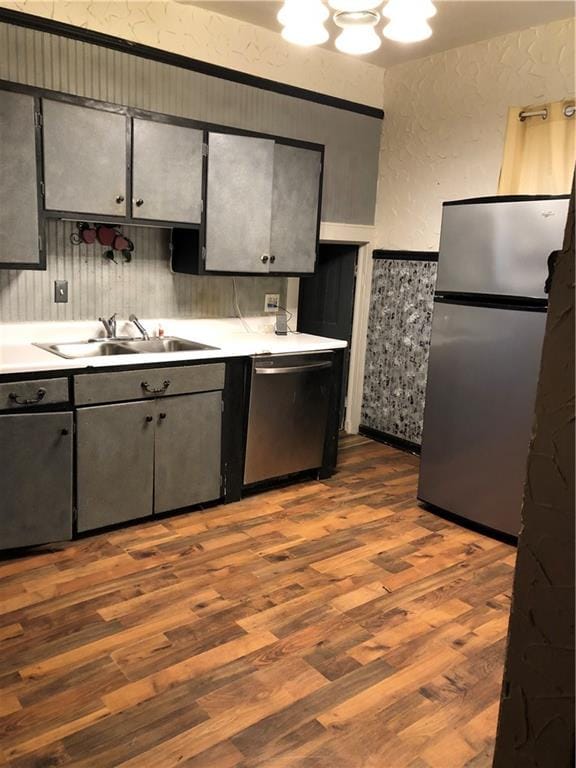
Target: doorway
x,y
326,302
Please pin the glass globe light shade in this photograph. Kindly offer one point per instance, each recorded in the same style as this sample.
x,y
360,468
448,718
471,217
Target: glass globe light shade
x,y
358,40
358,35
407,30
348,6
304,12
409,9
305,34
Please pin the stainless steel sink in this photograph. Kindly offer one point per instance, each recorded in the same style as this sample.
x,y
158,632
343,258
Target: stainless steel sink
x,y
105,347
165,344
87,349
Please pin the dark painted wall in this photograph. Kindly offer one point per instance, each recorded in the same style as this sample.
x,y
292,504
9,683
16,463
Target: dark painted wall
x,y
536,727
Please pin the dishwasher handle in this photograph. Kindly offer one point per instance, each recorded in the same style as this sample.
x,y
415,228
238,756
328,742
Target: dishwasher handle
x,y
294,368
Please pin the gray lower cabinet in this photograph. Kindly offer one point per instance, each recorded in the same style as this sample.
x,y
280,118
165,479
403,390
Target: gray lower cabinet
x,y
187,457
115,461
140,458
19,233
167,172
85,159
35,478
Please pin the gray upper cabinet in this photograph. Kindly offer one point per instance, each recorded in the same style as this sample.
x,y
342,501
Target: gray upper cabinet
x,y
262,206
19,234
295,209
239,203
166,172
187,463
85,159
36,478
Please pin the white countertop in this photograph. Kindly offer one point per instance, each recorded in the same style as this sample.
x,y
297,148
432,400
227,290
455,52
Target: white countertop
x,y
231,336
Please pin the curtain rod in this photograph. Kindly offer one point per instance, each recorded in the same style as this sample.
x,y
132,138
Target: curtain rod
x,y
568,111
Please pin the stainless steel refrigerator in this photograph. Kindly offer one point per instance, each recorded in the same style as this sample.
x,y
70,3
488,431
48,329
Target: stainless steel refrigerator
x,y
487,333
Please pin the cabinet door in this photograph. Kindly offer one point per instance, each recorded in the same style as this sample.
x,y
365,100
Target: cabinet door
x,y
239,203
188,437
295,203
115,461
84,159
36,478
19,245
167,172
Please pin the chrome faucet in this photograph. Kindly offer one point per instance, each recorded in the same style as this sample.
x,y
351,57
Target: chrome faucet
x,y
109,326
138,324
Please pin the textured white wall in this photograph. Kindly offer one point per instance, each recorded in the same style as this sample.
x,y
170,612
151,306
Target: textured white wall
x,y
208,36
443,134
442,139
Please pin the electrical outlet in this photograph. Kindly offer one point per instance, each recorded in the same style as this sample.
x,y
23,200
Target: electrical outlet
x,y
271,302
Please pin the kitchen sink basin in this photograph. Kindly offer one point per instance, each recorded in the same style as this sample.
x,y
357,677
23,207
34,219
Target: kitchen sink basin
x,y
87,349
105,347
165,344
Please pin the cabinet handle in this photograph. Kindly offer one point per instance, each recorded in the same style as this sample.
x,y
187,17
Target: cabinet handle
x,y
139,202
27,401
149,419
272,259
152,391
64,432
264,258
120,199
162,416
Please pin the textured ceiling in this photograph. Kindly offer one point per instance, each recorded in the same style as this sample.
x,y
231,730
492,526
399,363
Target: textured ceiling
x,y
458,22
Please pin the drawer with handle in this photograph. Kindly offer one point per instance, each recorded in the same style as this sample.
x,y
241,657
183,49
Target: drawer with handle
x,y
143,384
29,394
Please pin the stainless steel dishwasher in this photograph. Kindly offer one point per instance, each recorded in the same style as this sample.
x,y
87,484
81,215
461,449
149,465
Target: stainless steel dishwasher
x,y
289,401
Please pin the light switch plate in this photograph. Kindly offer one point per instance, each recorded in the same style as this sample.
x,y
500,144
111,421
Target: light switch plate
x,y
61,291
271,302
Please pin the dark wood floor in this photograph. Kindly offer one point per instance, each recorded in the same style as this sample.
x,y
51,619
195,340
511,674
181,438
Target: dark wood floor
x,y
330,624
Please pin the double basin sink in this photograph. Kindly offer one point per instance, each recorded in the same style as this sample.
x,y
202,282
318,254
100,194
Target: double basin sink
x,y
105,347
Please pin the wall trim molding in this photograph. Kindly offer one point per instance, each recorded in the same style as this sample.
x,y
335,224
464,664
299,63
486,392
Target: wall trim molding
x,y
361,235
353,234
388,439
81,34
397,255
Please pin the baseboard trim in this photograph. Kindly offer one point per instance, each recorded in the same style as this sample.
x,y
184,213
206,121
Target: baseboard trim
x,y
392,440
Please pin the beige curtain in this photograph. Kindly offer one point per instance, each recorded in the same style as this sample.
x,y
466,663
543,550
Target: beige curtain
x,y
539,152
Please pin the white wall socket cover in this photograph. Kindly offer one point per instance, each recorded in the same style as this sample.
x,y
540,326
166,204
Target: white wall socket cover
x,y
271,302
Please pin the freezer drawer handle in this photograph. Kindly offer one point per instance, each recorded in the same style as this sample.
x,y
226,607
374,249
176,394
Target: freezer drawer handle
x,y
294,368
159,391
31,401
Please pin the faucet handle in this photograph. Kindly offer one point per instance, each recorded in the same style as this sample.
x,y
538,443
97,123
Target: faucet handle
x,y
109,325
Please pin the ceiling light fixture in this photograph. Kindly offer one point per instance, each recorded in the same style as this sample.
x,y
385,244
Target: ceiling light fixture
x,y
303,12
409,9
408,20
352,6
315,34
358,35
303,22
407,30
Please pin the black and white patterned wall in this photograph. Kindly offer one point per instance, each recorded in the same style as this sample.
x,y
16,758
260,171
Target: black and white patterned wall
x,y
398,343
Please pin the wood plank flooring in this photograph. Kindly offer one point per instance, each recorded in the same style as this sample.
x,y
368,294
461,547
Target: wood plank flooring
x,y
331,624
